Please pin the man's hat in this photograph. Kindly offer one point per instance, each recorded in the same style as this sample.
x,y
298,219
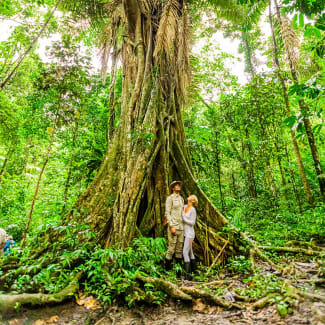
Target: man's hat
x,y
172,184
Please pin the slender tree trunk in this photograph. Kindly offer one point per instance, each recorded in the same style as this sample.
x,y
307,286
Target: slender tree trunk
x,y
234,189
251,69
7,158
301,167
127,196
247,169
250,166
26,156
284,182
48,152
67,183
21,59
217,150
248,55
305,111
293,180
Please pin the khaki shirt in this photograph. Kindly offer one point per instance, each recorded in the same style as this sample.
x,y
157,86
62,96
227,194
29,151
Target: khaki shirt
x,y
174,211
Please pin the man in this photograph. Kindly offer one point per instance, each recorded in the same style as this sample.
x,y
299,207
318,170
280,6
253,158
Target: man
x,y
175,228
3,240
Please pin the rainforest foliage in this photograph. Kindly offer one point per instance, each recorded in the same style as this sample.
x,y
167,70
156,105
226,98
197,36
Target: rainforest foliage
x,y
255,144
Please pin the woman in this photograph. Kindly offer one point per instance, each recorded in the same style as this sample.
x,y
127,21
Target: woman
x,y
189,217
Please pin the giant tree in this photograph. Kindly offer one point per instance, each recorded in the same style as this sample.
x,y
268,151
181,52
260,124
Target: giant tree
x,y
148,149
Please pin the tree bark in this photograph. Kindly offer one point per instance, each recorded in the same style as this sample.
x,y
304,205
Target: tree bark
x,y
127,196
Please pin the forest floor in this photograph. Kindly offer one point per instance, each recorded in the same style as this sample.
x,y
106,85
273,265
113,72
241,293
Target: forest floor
x,y
175,312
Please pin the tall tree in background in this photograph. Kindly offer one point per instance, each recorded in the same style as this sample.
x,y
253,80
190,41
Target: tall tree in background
x,y
290,40
296,149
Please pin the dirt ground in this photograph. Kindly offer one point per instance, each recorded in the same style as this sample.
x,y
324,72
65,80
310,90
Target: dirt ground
x,y
173,313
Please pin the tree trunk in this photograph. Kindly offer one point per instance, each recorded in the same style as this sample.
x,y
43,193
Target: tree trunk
x,y
21,59
217,150
301,167
304,111
127,196
7,158
284,182
27,150
248,169
49,148
293,180
67,183
252,71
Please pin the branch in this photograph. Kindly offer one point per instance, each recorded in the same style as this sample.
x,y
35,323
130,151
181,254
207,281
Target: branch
x,y
30,47
11,302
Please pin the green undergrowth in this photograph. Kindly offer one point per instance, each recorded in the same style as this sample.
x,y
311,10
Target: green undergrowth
x,y
278,226
109,274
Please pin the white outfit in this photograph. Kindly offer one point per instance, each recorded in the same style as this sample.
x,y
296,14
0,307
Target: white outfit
x,y
189,219
189,233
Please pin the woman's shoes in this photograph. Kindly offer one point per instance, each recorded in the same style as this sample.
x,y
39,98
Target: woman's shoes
x,y
188,275
193,265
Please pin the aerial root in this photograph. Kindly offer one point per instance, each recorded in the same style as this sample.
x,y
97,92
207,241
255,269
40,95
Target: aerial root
x,y
10,302
186,293
309,251
299,243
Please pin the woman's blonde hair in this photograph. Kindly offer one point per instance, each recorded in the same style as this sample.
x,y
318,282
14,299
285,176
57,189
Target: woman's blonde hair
x,y
194,199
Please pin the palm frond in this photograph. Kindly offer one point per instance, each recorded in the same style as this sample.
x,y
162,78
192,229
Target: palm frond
x,y
291,42
168,28
183,66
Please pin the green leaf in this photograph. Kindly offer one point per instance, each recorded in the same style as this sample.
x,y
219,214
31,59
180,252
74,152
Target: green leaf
x,y
301,20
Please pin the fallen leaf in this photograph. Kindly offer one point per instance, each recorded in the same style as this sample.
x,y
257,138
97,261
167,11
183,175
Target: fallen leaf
x,y
53,319
89,302
17,321
39,322
198,305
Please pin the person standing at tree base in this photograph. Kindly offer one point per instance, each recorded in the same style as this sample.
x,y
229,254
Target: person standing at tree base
x,y
189,217
175,228
3,240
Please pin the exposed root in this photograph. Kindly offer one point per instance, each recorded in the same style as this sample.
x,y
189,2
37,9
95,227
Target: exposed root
x,y
305,244
217,282
10,302
311,296
186,293
199,293
256,251
8,267
264,301
295,292
312,281
166,286
310,251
